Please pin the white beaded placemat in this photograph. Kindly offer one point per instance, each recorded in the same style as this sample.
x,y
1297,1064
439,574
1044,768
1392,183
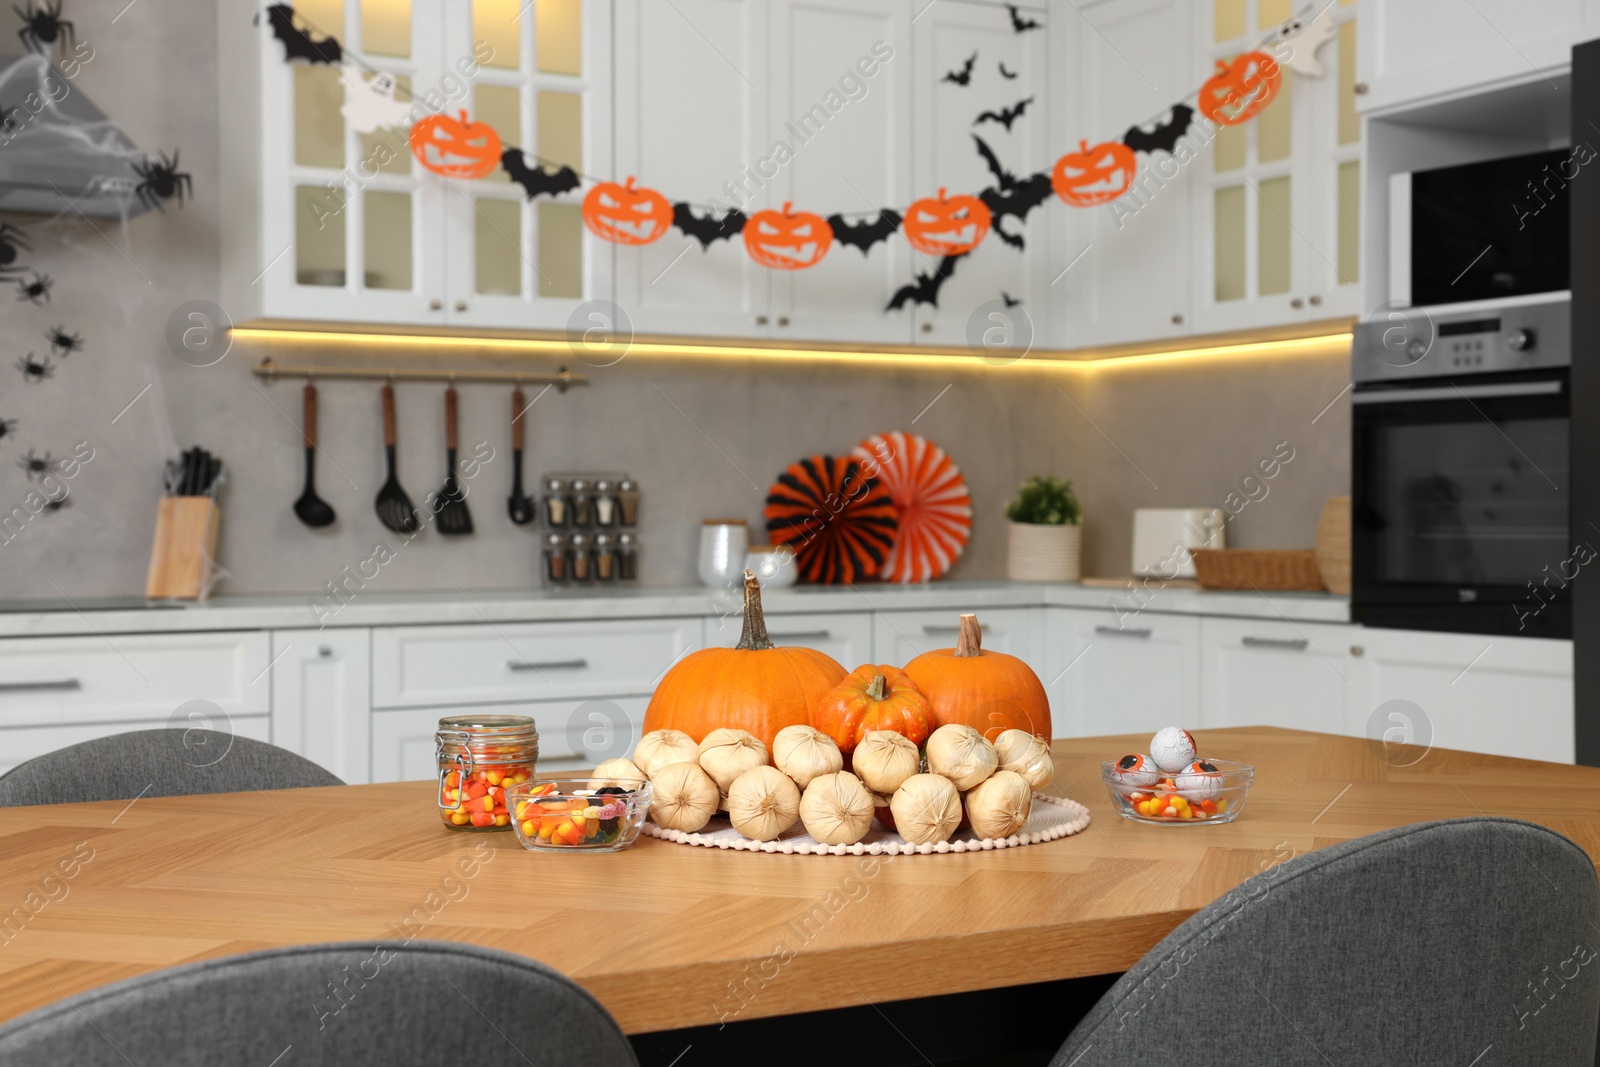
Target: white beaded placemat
x,y
1052,817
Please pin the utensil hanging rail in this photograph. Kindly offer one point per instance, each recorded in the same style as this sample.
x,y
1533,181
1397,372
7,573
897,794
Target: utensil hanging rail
x,y
561,379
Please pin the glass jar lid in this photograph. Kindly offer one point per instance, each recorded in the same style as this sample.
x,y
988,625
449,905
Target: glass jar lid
x,y
457,732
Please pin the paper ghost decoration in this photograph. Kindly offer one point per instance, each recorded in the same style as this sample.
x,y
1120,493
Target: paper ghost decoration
x,y
370,105
1296,43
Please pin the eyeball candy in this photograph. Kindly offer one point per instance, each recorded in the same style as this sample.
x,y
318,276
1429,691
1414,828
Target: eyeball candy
x,y
1173,749
1199,781
1134,769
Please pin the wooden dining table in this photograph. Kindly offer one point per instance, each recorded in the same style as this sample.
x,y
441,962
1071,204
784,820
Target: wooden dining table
x,y
670,936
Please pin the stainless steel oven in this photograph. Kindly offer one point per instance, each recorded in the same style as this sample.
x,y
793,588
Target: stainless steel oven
x,y
1460,487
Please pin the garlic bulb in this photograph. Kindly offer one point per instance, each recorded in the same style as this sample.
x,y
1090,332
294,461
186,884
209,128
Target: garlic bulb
x,y
621,769
803,753
884,759
1026,754
927,809
661,747
836,808
726,754
1000,805
763,802
685,797
962,755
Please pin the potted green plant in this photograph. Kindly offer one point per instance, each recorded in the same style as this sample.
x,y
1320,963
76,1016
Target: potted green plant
x,y
1044,537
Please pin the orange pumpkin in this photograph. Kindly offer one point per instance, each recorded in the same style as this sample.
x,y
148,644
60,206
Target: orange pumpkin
x,y
753,686
1097,175
946,226
1240,90
787,240
874,698
625,215
988,691
456,147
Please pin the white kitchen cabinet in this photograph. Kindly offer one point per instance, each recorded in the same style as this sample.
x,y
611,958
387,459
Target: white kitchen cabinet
x,y
1509,696
1117,675
846,636
322,698
901,636
1264,673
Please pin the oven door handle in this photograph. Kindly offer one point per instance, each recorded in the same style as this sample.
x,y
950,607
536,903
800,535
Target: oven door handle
x,y
1459,392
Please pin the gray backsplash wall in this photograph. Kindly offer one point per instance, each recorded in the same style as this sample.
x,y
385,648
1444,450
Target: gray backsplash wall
x,y
703,437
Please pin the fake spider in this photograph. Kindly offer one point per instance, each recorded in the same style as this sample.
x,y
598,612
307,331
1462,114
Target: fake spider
x,y
36,466
12,239
161,181
63,343
36,292
41,28
34,370
53,506
8,428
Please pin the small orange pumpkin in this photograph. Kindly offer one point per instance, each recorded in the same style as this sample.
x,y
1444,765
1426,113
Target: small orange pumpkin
x,y
753,686
874,698
787,240
625,215
1092,176
988,691
456,147
946,226
1240,90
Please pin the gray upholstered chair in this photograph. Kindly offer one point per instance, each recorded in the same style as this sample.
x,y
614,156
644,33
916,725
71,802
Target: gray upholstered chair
x,y
157,763
1428,944
421,1003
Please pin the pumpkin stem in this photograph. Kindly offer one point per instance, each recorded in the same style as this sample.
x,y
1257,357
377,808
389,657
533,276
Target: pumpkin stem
x,y
754,636
878,687
970,643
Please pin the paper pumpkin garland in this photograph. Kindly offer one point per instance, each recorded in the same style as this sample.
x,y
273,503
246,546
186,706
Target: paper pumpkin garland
x,y
787,239
931,501
946,225
456,147
624,215
1240,90
1095,175
838,520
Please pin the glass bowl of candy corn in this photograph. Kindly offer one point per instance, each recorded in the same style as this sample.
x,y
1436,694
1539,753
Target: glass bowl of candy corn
x,y
564,814
1207,791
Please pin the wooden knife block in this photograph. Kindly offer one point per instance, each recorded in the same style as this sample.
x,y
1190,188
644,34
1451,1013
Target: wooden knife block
x,y
185,546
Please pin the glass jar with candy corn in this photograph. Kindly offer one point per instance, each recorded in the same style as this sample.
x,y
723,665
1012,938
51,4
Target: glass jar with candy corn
x,y
479,757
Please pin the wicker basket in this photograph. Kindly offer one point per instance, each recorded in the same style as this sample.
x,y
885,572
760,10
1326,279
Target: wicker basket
x,y
1239,568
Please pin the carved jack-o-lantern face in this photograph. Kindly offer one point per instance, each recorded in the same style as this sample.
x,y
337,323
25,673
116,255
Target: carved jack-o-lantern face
x,y
625,215
947,226
1097,175
787,240
456,147
1241,90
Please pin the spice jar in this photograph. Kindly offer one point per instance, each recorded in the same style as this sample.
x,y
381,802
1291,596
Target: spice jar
x,y
605,558
605,503
628,501
555,557
627,556
582,503
478,756
580,557
557,509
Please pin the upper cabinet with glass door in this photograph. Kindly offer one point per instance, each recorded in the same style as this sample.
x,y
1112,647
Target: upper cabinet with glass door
x,y
335,220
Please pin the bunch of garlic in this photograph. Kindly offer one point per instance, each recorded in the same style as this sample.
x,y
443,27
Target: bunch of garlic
x,y
661,747
836,809
926,809
884,759
763,802
685,797
804,753
1027,755
999,806
961,754
621,770
726,754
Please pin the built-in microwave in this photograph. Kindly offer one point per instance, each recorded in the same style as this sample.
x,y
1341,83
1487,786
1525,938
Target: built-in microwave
x,y
1493,230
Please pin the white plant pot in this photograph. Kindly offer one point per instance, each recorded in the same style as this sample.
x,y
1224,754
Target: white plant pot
x,y
1036,553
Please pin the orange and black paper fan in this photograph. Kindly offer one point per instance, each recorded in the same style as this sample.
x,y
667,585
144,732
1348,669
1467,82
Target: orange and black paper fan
x,y
839,522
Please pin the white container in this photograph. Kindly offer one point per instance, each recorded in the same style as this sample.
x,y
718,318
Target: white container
x,y
1163,538
1040,553
723,543
774,565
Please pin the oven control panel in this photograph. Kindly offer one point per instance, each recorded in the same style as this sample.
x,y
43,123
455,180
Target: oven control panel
x,y
1431,343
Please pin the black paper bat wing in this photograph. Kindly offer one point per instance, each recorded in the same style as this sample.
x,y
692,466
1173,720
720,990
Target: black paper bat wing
x,y
1011,301
708,228
535,180
1164,138
297,44
1004,178
925,290
1006,115
864,235
1016,201
964,75
1018,23
1006,74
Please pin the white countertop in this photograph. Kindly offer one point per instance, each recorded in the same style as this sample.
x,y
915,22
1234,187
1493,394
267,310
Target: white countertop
x,y
131,615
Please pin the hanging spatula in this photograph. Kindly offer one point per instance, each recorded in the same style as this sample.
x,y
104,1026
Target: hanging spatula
x,y
519,504
453,516
394,507
311,509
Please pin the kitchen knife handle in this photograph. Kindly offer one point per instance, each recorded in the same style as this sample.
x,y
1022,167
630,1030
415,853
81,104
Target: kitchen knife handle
x,y
450,418
309,430
518,402
388,415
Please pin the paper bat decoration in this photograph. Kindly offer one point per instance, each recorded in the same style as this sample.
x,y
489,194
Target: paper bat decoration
x,y
964,75
297,44
1164,137
535,180
1020,24
1299,42
1011,196
1006,74
370,105
1011,301
925,290
708,228
1006,115
864,235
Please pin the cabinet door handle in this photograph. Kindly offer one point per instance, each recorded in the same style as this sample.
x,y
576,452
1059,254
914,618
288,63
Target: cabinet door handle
x,y
1316,301
550,665
1117,631
461,305
761,320
927,327
803,635
1293,644
61,686
783,320
435,305
1297,303
1177,320
934,631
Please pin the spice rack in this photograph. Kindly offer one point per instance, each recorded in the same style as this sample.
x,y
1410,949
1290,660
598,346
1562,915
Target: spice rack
x,y
591,524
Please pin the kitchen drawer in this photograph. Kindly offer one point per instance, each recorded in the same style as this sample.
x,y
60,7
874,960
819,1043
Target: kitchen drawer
x,y
1258,672
1121,676
846,636
900,636
18,744
58,680
449,666
574,735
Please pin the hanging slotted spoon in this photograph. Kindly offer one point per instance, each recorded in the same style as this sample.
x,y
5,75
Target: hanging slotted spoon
x,y
520,505
394,507
452,513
